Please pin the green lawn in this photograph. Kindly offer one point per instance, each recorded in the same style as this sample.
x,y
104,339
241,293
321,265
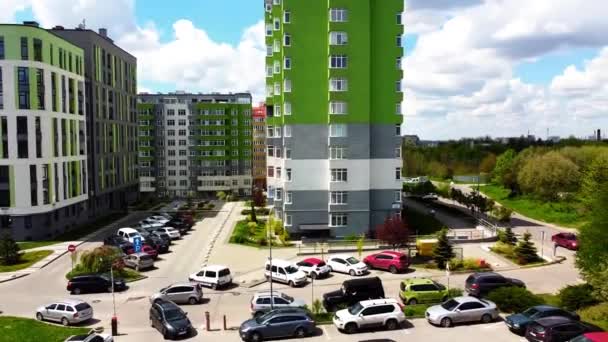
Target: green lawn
x,y
27,260
35,244
30,330
561,213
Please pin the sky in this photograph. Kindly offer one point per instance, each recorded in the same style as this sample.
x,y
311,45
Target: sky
x,y
472,67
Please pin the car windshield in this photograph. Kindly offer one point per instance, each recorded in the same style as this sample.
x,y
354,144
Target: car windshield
x,y
173,315
353,310
286,297
570,236
450,305
352,261
82,306
439,286
105,277
291,269
530,312
321,264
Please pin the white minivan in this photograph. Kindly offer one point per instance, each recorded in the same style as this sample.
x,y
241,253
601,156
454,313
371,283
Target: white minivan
x,y
285,272
213,276
130,234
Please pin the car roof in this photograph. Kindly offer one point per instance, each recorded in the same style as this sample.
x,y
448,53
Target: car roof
x,y
167,304
546,307
182,284
279,262
366,303
553,320
486,274
597,336
267,293
418,281
393,253
313,260
69,301
139,254
363,281
467,299
341,256
128,230
215,268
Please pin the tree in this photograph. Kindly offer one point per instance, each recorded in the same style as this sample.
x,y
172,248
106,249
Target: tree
x,y
394,231
503,170
525,251
258,197
254,218
9,250
488,163
360,244
548,175
509,237
221,195
443,252
595,176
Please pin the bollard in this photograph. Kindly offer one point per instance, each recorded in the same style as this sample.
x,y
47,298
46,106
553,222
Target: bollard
x,y
114,325
207,321
225,323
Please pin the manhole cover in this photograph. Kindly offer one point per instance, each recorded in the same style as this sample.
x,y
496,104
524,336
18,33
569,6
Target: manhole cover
x,y
95,301
236,293
131,299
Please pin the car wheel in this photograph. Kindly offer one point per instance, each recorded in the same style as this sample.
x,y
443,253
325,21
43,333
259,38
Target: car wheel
x,y
165,334
258,314
214,286
352,273
65,322
192,301
446,322
76,291
350,328
313,275
256,337
39,316
290,283
300,332
392,324
392,269
486,318
412,301
330,269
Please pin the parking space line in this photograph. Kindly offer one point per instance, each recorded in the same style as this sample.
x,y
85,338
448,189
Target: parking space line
x,y
325,332
407,331
493,325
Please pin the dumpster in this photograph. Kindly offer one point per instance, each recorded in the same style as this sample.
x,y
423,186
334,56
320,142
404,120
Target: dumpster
x,y
425,246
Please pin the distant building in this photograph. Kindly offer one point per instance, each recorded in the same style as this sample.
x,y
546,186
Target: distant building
x,y
411,140
259,146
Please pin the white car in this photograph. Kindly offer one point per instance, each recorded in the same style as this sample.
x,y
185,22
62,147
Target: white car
x,y
91,337
130,234
172,232
213,276
66,312
159,218
370,314
347,264
284,272
147,223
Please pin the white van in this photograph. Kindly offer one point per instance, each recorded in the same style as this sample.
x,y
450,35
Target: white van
x,y
130,234
212,276
285,272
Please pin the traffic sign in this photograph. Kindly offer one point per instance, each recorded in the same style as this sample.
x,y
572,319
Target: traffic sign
x,y
71,248
137,244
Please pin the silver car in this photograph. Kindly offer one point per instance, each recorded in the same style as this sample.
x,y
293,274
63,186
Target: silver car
x,y
139,261
181,293
260,302
68,311
462,309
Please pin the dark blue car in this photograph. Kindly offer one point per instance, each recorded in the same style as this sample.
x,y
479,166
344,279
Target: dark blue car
x,y
519,322
276,324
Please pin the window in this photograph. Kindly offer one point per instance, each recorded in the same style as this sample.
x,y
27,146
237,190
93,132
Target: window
x,y
338,61
337,152
337,220
398,63
277,46
1,47
171,112
288,197
37,50
287,63
270,171
171,142
398,152
268,50
268,30
398,109
286,17
397,196
269,71
338,38
398,86
287,131
181,112
171,132
399,38
398,129
338,107
277,134
277,24
338,197
399,18
338,84
397,173
287,220
278,193
24,49
276,2
337,15
182,143
170,122
337,130
288,174
287,153
182,122
339,175
287,108
182,132
183,153
287,86
287,40
277,88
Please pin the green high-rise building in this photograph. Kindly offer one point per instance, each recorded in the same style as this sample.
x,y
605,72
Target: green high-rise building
x,y
333,87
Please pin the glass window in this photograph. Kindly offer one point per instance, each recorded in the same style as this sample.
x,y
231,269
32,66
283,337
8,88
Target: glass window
x,y
288,197
338,15
338,84
338,220
287,131
287,40
337,130
397,173
338,197
338,38
338,61
287,86
339,175
287,63
287,108
24,49
286,17
398,129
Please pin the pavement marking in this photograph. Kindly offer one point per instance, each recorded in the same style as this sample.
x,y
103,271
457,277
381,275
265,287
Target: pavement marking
x,y
492,326
407,331
325,332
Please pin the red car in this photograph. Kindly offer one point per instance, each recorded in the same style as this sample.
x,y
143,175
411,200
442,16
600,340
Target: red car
x,y
592,337
388,260
314,268
566,240
150,251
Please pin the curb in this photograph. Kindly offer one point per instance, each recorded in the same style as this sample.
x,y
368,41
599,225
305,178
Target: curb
x,y
14,277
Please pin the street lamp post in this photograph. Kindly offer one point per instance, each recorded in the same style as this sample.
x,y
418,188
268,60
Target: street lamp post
x,y
268,228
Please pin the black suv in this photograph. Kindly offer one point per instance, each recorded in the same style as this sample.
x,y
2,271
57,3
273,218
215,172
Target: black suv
x,y
94,283
119,242
353,291
154,241
170,320
480,284
178,224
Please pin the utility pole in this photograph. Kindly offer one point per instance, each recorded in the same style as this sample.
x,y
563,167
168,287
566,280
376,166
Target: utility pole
x,y
268,228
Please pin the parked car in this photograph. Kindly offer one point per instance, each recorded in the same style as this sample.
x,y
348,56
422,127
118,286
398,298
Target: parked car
x,y
150,251
154,241
162,235
119,242
314,268
165,214
353,291
460,310
130,234
346,264
180,293
94,283
173,234
66,312
566,240
90,337
422,290
556,329
178,224
277,324
147,223
284,272
480,284
519,322
370,314
158,218
139,261
260,302
170,320
213,276
392,261
591,337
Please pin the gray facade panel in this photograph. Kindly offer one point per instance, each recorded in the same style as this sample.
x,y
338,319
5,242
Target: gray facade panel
x,y
384,141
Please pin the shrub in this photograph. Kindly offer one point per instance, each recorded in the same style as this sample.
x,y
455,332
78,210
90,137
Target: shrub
x,y
514,299
9,250
469,264
252,226
507,236
317,307
502,214
525,251
351,237
221,195
597,315
575,297
442,252
455,292
504,249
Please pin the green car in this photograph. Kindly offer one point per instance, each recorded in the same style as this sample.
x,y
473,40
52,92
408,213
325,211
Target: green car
x,y
422,290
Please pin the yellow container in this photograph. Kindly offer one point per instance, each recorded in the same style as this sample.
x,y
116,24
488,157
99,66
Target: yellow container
x,y
426,246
